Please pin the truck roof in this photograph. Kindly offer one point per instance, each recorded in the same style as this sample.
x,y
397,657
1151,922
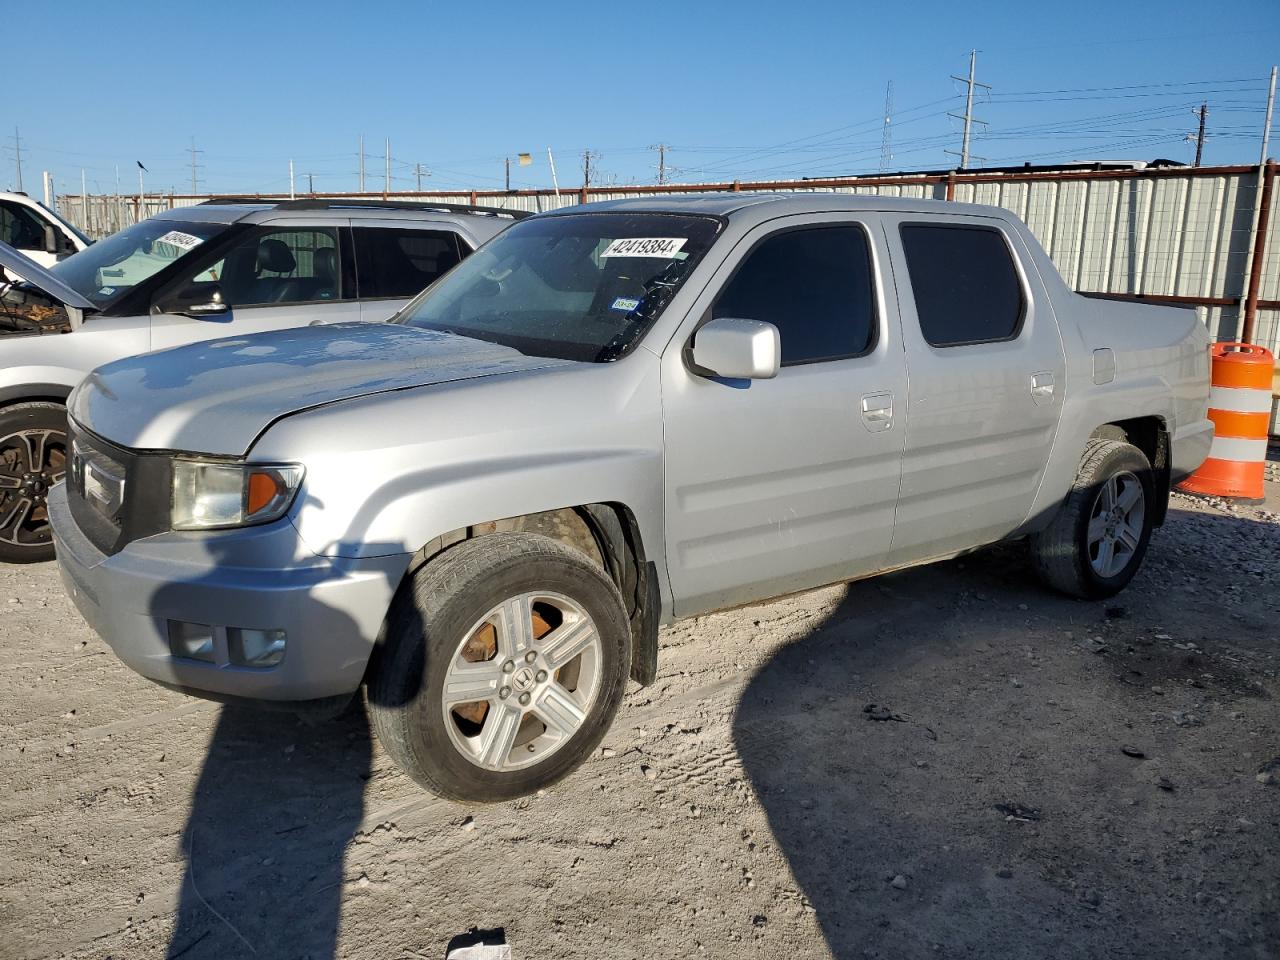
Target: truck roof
x,y
778,204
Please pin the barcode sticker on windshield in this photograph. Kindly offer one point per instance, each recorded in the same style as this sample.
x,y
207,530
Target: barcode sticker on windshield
x,y
177,238
664,247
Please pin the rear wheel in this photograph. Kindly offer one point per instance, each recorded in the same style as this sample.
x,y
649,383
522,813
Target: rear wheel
x,y
504,662
33,457
1096,543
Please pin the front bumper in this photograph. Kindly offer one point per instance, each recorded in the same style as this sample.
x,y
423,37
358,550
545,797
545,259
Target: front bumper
x,y
257,578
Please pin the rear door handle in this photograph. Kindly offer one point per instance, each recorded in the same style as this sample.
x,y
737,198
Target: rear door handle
x,y
1042,387
877,411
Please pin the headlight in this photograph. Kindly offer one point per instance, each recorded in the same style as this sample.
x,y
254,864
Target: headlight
x,y
208,495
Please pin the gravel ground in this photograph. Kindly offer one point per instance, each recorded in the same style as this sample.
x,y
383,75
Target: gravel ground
x,y
944,762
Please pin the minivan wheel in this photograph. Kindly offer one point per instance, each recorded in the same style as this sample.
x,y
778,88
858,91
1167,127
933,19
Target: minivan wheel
x,y
1096,543
33,457
503,663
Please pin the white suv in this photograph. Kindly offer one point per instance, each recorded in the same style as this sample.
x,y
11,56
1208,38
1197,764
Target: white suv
x,y
218,269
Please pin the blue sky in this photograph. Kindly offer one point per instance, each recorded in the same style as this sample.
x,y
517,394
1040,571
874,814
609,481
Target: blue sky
x,y
748,90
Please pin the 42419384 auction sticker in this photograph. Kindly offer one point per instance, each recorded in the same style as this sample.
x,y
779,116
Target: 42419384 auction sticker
x,y
664,247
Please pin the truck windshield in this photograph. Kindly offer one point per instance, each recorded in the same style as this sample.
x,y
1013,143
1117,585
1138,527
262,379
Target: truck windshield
x,y
575,287
103,271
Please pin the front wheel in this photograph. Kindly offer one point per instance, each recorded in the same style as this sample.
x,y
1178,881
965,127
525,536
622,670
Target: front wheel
x,y
33,457
503,664
1096,543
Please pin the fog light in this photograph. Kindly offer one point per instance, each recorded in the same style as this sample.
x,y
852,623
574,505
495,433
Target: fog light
x,y
193,641
255,648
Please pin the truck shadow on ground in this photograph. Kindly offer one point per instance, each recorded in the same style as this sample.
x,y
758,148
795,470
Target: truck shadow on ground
x,y
275,807
941,765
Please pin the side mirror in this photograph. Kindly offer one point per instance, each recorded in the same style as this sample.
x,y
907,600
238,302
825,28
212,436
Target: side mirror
x,y
201,300
737,349
51,244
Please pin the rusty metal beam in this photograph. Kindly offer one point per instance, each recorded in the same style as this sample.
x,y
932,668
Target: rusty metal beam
x,y
1259,252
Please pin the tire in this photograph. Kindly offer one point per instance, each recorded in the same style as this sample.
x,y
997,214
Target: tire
x,y
33,456
1068,555
457,622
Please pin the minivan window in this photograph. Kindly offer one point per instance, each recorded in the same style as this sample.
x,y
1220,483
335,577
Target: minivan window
x,y
102,272
965,284
581,286
815,286
399,262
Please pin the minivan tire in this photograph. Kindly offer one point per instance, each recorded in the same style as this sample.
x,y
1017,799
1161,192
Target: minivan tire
x,y
429,631
1093,548
31,431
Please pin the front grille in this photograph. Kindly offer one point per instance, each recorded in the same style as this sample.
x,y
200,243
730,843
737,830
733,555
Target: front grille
x,y
116,495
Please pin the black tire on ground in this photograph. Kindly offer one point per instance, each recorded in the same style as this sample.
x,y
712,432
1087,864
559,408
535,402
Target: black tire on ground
x,y
428,621
33,456
1062,554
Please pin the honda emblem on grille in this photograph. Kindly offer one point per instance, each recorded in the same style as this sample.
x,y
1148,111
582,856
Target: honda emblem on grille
x,y
97,483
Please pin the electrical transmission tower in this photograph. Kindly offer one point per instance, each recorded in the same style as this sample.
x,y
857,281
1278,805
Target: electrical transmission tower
x,y
968,117
886,139
195,167
1198,137
17,158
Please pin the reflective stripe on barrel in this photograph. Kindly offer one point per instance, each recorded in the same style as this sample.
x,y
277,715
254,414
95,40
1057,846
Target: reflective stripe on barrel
x,y
1240,408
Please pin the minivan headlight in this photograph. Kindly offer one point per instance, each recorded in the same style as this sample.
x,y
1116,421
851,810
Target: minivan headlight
x,y
210,494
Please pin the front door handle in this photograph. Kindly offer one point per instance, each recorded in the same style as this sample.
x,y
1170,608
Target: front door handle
x,y
877,411
1042,387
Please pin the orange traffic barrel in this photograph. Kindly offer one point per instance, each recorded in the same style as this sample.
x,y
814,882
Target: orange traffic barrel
x,y
1240,408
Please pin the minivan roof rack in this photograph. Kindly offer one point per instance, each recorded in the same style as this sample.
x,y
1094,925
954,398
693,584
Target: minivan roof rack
x,y
340,203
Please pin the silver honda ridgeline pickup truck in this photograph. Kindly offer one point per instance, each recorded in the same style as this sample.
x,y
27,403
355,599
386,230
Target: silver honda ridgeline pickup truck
x,y
607,418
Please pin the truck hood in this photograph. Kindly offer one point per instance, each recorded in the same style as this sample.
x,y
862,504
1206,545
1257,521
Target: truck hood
x,y
23,266
218,396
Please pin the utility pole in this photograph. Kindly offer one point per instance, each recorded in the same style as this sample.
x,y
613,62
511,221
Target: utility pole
x,y
1253,264
195,166
507,162
17,156
662,161
311,184
554,182
886,138
362,163
587,157
968,117
291,193
418,172
1198,137
387,187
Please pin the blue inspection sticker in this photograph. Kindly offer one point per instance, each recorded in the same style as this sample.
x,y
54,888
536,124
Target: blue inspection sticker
x,y
625,304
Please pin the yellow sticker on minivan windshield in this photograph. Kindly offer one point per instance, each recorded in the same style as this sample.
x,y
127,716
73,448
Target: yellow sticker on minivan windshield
x,y
663,247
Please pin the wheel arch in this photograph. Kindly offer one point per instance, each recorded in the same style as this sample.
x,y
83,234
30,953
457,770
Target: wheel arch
x,y
1150,434
608,535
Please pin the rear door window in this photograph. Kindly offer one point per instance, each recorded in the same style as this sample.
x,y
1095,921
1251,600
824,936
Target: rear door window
x,y
815,285
402,262
965,284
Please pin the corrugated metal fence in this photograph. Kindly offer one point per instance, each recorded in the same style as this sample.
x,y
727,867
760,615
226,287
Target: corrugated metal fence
x,y
1178,234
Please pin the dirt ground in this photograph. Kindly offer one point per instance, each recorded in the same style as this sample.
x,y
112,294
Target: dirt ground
x,y
945,762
